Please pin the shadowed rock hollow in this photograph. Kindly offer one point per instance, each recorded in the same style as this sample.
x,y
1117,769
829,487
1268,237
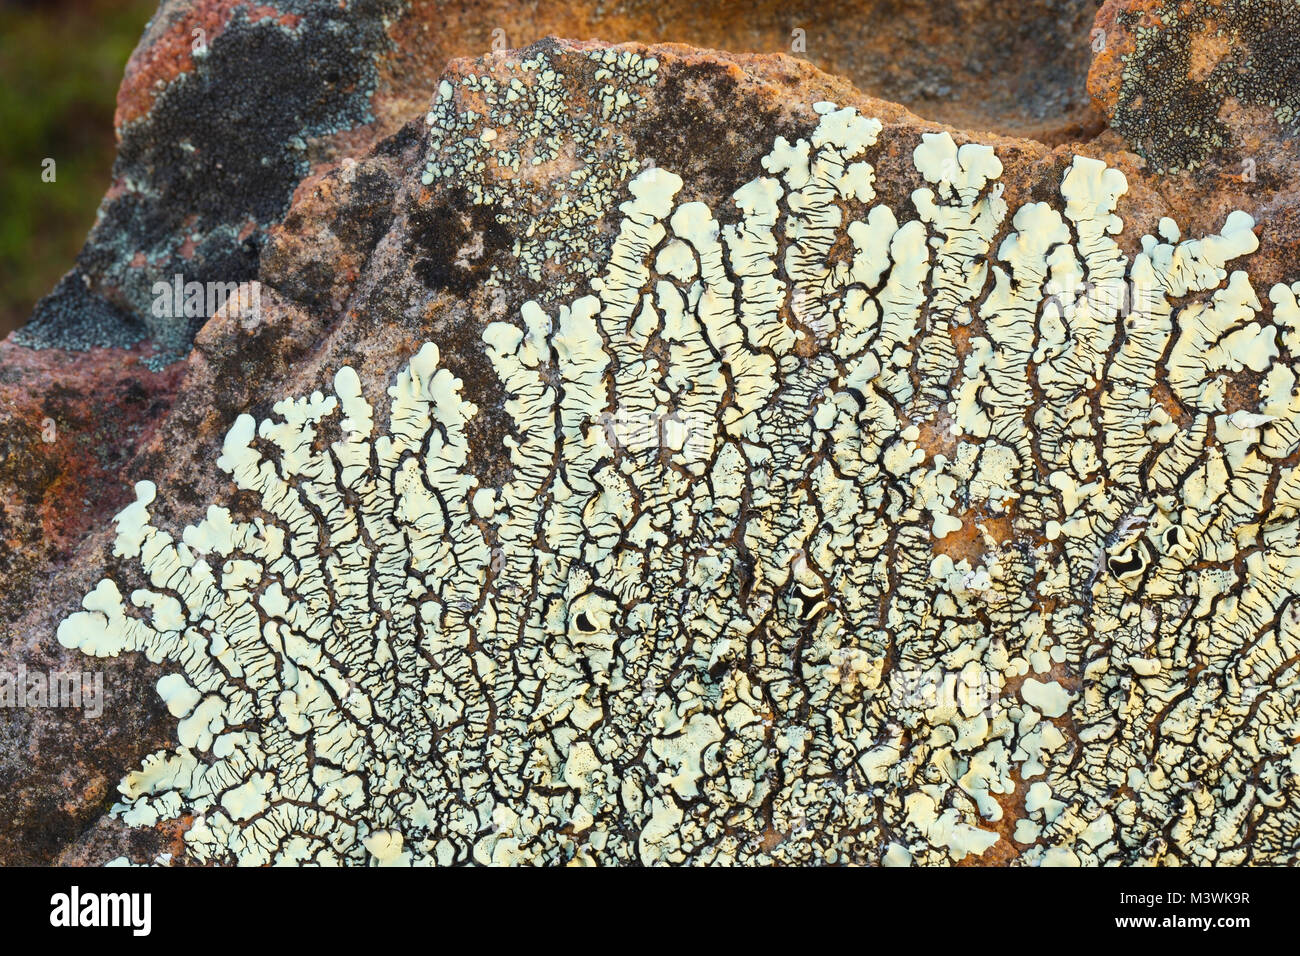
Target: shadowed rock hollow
x,y
641,453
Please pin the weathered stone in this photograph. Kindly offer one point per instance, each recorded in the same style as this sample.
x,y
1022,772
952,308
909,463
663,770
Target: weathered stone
x,y
208,161
1205,82
711,639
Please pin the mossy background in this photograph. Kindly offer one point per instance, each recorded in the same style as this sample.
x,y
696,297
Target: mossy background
x,y
60,65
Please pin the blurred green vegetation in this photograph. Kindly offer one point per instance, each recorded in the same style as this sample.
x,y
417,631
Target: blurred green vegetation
x,y
60,66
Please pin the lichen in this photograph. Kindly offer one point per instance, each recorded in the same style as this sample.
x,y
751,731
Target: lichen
x,y
204,174
1193,58
718,613
487,133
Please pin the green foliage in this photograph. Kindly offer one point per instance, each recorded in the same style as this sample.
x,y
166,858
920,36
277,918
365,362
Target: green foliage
x,y
60,66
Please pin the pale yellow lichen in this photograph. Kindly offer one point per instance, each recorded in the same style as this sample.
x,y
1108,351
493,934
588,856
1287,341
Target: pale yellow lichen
x,y
715,602
487,131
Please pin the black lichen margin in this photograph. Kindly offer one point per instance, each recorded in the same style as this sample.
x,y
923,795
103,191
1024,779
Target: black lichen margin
x,y
1171,116
212,166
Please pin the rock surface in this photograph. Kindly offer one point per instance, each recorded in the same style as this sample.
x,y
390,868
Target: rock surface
x,y
392,233
1207,82
209,161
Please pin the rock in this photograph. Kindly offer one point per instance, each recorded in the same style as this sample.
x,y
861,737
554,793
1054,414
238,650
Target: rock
x,y
1206,82
69,423
208,162
640,453
60,454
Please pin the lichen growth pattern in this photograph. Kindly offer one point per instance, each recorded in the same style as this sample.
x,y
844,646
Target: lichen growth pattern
x,y
718,613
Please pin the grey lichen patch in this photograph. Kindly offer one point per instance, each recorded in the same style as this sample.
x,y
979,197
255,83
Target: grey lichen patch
x,y
710,617
547,167
72,316
1192,61
202,176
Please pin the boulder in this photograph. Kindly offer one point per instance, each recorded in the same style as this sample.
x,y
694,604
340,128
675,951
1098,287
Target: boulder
x,y
639,453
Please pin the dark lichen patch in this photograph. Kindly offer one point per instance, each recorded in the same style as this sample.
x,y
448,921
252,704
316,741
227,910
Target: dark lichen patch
x,y
326,239
688,130
214,163
74,314
367,214
1194,63
304,280
411,134
452,244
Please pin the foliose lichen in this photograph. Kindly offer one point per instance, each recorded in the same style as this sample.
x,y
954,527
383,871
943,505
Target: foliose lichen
x,y
715,615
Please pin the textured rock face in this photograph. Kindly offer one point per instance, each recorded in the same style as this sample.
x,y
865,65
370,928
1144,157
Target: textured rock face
x,y
209,161
1210,81
647,454
715,599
